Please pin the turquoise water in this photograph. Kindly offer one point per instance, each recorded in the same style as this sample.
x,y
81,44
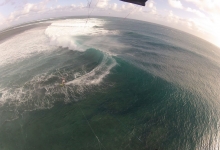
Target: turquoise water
x,y
137,86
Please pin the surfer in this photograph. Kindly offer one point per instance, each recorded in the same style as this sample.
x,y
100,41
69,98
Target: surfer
x,y
63,82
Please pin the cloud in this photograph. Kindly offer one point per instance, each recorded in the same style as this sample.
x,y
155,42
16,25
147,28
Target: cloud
x,y
102,3
4,2
27,9
150,4
207,5
211,7
114,6
98,3
195,11
2,19
172,17
175,4
211,22
152,7
37,11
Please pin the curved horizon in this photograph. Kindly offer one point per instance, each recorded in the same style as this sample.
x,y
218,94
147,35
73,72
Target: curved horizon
x,y
198,18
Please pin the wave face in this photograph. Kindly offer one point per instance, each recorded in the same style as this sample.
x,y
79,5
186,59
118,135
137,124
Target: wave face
x,y
129,85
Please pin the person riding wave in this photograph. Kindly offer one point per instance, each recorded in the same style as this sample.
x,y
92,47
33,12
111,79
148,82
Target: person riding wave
x,y
63,81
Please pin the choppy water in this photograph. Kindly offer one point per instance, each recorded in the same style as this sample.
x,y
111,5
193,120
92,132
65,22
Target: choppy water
x,y
130,85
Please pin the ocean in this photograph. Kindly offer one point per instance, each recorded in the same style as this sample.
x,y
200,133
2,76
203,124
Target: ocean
x,y
130,85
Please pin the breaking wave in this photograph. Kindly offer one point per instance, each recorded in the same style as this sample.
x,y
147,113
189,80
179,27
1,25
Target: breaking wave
x,y
65,33
83,67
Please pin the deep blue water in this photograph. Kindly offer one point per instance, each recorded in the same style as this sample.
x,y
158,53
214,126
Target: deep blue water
x,y
129,85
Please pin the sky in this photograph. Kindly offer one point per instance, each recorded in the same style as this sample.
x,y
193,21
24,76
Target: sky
x,y
198,17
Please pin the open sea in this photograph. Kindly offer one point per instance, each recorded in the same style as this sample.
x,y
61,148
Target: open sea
x,y
130,85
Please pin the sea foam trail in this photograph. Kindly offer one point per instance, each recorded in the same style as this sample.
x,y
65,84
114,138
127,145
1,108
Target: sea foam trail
x,y
38,94
95,76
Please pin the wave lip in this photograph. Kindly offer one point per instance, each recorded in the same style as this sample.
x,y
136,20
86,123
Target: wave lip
x,y
95,76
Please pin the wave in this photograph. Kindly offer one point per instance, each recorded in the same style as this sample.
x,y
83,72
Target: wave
x,y
84,74
40,90
95,76
64,33
61,33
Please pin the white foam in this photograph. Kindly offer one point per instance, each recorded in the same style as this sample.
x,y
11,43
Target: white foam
x,y
95,76
26,97
23,45
2,100
60,33
64,32
26,94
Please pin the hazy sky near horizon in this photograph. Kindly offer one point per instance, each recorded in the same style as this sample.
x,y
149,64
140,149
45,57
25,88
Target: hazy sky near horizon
x,y
198,17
